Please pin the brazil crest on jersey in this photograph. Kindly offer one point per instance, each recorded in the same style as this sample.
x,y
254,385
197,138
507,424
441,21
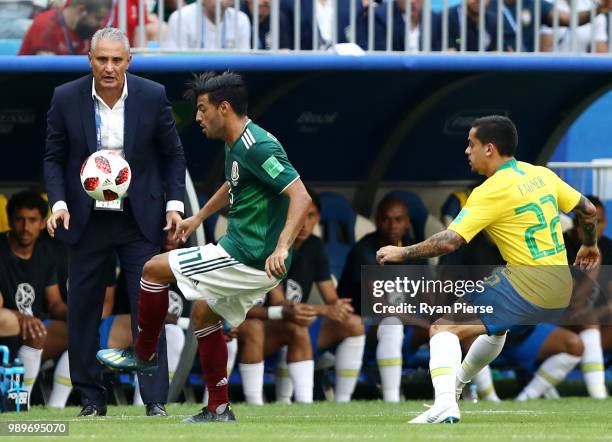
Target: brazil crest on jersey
x,y
257,172
518,206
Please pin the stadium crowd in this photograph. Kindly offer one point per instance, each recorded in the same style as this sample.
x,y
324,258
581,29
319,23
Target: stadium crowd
x,y
308,324
65,27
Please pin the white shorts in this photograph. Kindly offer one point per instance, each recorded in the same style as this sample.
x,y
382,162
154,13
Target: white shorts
x,y
229,287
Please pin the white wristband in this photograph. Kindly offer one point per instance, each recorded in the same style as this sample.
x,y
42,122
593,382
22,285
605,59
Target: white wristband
x,y
275,312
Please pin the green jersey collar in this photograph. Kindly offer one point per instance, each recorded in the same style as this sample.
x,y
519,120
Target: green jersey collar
x,y
511,164
241,133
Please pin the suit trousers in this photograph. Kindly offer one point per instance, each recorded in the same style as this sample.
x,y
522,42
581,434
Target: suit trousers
x,y
107,234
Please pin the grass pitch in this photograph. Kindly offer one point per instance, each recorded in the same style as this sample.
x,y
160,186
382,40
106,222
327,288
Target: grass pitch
x,y
570,419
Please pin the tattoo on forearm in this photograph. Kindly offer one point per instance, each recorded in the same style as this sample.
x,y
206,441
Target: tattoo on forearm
x,y
439,244
587,217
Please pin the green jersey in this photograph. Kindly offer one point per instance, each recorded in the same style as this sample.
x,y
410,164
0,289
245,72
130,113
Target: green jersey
x,y
257,172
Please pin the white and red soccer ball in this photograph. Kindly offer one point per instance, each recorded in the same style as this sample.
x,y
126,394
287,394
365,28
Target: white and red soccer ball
x,y
105,175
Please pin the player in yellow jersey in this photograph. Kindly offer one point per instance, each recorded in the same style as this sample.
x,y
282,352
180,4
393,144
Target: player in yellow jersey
x,y
518,206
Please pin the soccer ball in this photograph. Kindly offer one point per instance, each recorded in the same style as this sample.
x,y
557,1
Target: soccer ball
x,y
105,176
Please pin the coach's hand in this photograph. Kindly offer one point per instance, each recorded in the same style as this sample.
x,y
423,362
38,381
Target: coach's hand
x,y
173,219
390,254
587,257
186,227
275,264
62,217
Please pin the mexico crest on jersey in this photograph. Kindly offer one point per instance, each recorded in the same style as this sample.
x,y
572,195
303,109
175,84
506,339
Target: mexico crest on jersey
x,y
235,173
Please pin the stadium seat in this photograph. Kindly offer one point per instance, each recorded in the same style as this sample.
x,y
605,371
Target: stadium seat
x,y
9,46
453,205
338,227
363,226
4,223
317,231
432,226
416,209
220,227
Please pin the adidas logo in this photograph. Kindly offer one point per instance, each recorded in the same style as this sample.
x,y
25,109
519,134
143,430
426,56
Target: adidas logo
x,y
221,383
107,182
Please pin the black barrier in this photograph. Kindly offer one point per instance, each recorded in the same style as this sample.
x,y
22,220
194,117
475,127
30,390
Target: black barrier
x,y
340,119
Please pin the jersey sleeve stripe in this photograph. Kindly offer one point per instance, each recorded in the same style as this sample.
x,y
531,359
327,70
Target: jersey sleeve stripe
x,y
246,141
250,136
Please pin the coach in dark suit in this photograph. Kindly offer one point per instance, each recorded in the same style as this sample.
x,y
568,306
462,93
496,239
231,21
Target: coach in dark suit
x,y
114,110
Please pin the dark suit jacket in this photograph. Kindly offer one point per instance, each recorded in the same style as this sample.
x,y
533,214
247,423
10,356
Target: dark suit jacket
x,y
380,29
306,20
151,145
285,33
454,31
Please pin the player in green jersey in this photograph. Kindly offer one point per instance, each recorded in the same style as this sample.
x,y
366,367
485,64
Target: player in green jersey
x,y
267,204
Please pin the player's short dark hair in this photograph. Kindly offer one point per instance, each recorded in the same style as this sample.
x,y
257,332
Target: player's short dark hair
x,y
28,199
389,201
316,200
596,201
227,86
497,130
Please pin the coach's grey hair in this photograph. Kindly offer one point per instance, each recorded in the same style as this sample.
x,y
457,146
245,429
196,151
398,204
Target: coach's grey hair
x,y
110,34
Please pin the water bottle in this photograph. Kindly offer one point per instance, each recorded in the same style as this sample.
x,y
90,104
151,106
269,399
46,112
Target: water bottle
x,y
18,374
474,393
6,370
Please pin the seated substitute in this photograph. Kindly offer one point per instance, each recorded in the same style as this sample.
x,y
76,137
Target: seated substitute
x,y
282,326
392,227
336,325
28,279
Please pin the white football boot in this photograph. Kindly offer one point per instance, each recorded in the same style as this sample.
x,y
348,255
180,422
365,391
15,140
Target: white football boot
x,y
444,413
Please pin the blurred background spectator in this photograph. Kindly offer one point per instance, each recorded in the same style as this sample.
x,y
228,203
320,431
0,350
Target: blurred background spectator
x,y
187,31
398,30
264,39
66,31
583,33
472,28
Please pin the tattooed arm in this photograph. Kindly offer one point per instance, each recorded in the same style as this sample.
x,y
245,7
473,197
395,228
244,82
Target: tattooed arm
x,y
588,255
439,244
587,216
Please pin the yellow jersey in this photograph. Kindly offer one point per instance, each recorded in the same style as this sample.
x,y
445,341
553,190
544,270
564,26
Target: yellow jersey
x,y
518,206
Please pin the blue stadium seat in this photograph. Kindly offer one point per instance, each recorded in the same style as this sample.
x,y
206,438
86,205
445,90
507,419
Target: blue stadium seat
x,y
9,46
416,209
338,228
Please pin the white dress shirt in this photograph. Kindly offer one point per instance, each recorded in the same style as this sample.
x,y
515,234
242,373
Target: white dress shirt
x,y
325,21
583,33
111,131
201,33
414,39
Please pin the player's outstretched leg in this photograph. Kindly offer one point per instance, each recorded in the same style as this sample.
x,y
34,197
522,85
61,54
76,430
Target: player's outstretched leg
x,y
152,309
483,351
212,350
